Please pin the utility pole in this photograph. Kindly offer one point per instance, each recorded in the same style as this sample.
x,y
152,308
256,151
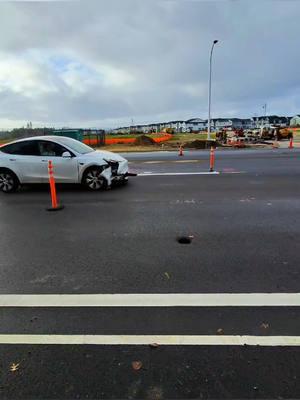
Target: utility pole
x,y
265,108
264,120
209,89
131,127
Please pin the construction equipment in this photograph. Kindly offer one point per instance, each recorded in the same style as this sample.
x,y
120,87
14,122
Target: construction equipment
x,y
168,130
275,132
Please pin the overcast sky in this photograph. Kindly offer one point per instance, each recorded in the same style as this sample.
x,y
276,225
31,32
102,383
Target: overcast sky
x,y
102,63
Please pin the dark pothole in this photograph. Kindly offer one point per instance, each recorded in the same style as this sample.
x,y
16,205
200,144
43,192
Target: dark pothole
x,y
185,239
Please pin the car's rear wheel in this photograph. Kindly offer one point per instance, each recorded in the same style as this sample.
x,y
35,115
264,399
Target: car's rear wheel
x,y
93,179
8,181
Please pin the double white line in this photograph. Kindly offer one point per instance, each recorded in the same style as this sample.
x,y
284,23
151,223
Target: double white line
x,y
152,300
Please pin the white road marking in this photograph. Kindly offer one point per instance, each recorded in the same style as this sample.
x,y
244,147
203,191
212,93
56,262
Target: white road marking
x,y
153,162
166,161
233,172
188,161
152,300
176,173
167,340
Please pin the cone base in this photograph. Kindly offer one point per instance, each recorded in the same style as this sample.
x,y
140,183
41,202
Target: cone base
x,y
58,208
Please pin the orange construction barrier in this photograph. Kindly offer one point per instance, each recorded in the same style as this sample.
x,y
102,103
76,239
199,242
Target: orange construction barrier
x,y
291,145
120,140
180,151
212,160
55,205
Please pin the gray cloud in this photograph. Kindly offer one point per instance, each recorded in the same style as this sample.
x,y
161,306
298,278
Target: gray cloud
x,y
97,63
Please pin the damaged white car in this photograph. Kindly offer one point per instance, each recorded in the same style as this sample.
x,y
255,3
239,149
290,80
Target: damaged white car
x,y
26,161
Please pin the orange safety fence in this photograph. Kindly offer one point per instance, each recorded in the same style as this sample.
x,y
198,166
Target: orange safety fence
x,y
120,140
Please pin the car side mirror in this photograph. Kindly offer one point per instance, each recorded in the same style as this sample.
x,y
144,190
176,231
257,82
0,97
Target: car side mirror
x,y
66,154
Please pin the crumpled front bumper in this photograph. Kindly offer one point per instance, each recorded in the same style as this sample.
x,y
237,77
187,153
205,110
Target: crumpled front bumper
x,y
116,171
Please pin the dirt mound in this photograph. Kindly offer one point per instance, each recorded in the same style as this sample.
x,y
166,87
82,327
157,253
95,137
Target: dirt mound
x,y
144,140
200,144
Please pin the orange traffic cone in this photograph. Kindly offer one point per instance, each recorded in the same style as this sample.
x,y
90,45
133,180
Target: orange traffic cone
x,y
55,205
275,144
291,145
180,151
212,159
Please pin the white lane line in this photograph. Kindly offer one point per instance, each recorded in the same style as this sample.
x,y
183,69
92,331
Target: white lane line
x,y
233,172
152,300
167,340
167,161
153,162
176,173
188,161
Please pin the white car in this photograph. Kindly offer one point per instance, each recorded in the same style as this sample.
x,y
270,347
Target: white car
x,y
26,161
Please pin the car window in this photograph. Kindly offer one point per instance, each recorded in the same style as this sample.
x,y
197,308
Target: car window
x,y
25,148
48,149
77,146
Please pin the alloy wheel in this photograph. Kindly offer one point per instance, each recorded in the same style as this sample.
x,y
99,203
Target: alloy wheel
x,y
6,182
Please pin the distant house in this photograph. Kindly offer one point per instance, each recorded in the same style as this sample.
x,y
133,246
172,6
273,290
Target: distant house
x,y
271,120
178,126
295,121
195,125
248,123
198,124
221,123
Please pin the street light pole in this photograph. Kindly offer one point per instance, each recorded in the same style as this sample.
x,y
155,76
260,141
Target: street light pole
x,y
209,89
265,108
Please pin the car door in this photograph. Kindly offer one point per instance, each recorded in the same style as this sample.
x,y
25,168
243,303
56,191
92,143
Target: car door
x,y
23,158
65,168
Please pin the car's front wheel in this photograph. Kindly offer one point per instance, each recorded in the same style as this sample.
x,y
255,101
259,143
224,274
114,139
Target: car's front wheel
x,y
93,179
8,181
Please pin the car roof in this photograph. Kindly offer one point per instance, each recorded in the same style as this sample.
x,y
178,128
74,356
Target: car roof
x,y
57,139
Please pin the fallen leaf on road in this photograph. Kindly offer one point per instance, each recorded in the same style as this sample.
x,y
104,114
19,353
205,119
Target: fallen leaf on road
x,y
167,275
137,365
265,326
14,367
220,331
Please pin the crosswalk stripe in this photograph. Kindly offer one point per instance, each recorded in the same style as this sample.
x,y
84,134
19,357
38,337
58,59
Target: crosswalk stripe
x,y
167,340
152,300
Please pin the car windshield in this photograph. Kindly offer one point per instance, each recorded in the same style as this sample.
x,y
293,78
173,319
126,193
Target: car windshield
x,y
76,146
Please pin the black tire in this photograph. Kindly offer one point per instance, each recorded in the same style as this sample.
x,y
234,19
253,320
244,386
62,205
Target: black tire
x,y
120,183
93,180
9,182
125,181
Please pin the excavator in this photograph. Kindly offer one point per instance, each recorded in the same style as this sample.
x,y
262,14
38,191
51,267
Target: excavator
x,y
275,132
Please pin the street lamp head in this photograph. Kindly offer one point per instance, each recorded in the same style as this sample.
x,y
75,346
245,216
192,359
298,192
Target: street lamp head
x,y
215,41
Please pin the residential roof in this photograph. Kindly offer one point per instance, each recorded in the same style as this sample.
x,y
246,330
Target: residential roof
x,y
195,120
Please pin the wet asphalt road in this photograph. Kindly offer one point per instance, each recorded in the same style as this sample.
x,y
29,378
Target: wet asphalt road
x,y
245,224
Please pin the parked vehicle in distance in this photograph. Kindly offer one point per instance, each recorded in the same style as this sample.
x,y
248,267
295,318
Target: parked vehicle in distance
x,y
26,161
